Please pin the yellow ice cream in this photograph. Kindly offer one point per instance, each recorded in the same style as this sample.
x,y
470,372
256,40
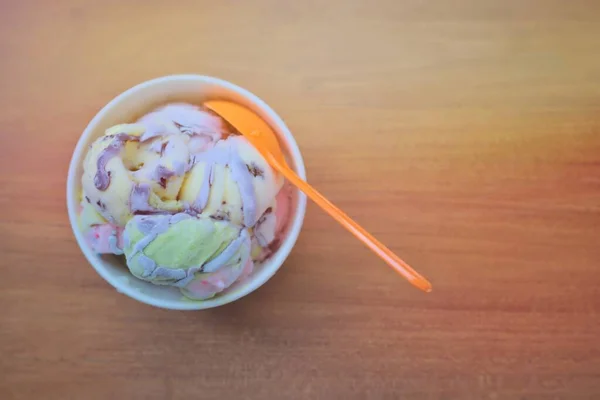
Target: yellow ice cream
x,y
231,182
122,176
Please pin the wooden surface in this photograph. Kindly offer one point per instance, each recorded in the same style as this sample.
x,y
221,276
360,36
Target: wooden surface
x,y
463,133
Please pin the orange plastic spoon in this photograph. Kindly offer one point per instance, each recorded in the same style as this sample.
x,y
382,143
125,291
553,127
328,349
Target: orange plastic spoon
x,y
260,134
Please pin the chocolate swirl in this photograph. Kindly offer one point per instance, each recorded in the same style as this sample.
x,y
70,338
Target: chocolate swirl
x,y
102,177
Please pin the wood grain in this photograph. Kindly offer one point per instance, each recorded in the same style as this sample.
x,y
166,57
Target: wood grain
x,y
463,133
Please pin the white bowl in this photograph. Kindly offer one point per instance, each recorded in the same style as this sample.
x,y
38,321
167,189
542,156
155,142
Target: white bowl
x,y
135,102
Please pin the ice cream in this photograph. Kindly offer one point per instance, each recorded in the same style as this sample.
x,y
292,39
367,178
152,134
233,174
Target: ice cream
x,y
187,202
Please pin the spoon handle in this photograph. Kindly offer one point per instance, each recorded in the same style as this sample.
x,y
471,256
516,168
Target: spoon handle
x,y
361,234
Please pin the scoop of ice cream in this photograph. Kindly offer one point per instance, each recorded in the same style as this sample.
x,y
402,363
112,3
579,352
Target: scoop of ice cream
x,y
177,249
232,182
139,168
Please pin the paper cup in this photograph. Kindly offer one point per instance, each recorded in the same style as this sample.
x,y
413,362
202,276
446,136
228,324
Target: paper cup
x,y
128,107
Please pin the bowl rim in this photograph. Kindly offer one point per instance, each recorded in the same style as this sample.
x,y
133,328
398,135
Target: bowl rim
x,y
268,269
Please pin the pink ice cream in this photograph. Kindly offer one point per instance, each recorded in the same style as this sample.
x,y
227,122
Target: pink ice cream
x,y
105,238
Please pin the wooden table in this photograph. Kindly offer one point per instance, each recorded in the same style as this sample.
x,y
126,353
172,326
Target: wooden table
x,y
463,133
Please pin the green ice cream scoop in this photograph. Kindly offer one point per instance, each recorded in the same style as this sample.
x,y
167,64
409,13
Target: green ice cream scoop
x,y
171,249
